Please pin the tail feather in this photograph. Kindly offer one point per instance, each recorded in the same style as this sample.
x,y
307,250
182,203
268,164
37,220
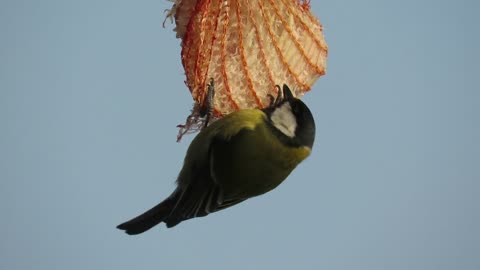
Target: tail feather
x,y
152,217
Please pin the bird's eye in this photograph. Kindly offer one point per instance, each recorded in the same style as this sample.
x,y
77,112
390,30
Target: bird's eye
x,y
295,108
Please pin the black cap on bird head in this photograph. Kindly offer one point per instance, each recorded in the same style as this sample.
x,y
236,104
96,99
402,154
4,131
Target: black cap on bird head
x,y
291,118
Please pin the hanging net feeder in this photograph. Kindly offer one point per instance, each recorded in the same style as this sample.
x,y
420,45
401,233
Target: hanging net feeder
x,y
247,47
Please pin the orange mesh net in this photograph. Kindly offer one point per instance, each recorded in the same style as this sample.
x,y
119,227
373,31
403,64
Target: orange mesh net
x,y
248,47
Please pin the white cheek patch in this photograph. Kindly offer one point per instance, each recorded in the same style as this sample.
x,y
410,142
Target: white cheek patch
x,y
284,120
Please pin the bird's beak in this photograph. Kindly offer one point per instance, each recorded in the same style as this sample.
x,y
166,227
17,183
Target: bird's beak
x,y
287,93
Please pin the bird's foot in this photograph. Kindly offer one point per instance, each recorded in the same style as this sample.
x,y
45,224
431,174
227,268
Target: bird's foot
x,y
275,101
208,105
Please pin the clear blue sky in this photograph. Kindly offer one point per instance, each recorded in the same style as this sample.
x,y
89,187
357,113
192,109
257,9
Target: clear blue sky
x,y
91,92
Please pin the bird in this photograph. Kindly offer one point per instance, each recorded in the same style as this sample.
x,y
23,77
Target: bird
x,y
245,154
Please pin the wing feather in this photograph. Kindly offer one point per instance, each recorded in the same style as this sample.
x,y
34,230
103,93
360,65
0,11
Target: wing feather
x,y
201,195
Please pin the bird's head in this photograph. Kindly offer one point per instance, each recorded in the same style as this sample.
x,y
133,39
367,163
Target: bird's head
x,y
291,119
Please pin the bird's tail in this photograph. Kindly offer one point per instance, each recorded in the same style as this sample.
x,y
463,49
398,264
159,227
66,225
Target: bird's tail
x,y
152,217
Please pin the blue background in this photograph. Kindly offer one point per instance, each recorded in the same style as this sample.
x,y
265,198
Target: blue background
x,y
91,92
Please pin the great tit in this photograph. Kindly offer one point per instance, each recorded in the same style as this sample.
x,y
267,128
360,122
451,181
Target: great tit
x,y
245,154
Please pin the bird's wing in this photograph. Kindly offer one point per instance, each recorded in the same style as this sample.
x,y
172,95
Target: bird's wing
x,y
199,199
200,193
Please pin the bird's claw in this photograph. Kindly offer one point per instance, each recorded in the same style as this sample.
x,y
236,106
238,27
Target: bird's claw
x,y
275,101
209,106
